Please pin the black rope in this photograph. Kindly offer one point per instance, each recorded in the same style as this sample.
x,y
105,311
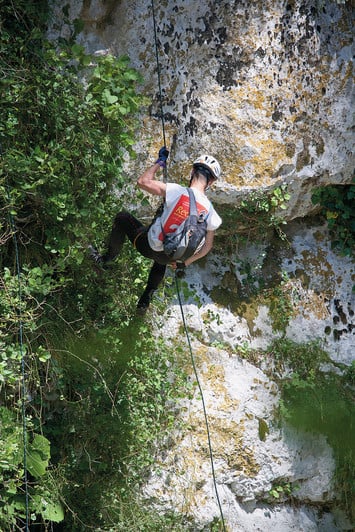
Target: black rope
x,y
177,284
203,401
159,85
23,377
22,353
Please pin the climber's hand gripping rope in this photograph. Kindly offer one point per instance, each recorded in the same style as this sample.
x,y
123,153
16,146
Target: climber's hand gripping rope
x,y
180,270
162,157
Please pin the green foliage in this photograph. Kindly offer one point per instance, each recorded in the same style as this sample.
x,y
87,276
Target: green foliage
x,y
337,203
281,304
68,119
303,359
282,491
349,374
42,501
260,203
152,386
116,407
257,214
63,143
61,160
317,402
217,525
132,515
38,455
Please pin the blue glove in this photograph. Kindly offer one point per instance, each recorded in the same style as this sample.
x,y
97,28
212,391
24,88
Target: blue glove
x,y
162,157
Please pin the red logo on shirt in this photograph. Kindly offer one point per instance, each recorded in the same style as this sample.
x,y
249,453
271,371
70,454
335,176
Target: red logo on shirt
x,y
179,213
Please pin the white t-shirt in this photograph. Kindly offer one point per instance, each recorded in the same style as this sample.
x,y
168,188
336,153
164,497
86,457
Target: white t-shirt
x,y
176,209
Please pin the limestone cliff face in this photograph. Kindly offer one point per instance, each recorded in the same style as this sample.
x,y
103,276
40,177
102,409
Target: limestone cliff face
x,y
252,453
265,86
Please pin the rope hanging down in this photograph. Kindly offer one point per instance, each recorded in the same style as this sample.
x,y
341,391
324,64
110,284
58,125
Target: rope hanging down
x,y
177,283
23,372
165,172
203,402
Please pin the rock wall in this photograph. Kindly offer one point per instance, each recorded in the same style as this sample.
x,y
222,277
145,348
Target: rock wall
x,y
252,454
265,86
248,465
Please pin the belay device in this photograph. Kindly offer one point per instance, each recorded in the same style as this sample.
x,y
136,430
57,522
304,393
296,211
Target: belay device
x,y
187,238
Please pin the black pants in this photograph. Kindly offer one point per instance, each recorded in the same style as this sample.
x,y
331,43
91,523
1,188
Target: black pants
x,y
127,225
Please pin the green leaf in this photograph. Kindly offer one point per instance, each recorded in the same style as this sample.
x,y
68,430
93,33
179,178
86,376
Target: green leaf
x,y
38,455
53,512
131,75
77,49
110,98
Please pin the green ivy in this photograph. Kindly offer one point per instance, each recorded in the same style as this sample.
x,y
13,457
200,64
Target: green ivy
x,y
258,214
114,409
68,119
63,141
337,203
42,501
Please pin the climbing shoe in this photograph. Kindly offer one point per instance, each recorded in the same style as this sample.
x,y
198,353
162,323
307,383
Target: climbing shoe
x,y
144,302
96,257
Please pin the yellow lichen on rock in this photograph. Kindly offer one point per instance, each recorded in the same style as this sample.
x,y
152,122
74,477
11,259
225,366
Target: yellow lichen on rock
x,y
225,432
315,304
317,263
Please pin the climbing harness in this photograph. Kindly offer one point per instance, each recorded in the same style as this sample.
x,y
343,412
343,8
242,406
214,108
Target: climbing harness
x,y
23,372
177,275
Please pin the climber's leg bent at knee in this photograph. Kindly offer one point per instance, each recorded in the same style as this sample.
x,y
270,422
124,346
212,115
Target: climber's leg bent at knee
x,y
125,224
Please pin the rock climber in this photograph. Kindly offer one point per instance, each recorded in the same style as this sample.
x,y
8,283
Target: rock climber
x,y
148,239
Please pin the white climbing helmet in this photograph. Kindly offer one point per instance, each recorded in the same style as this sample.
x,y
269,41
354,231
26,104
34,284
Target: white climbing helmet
x,y
210,163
